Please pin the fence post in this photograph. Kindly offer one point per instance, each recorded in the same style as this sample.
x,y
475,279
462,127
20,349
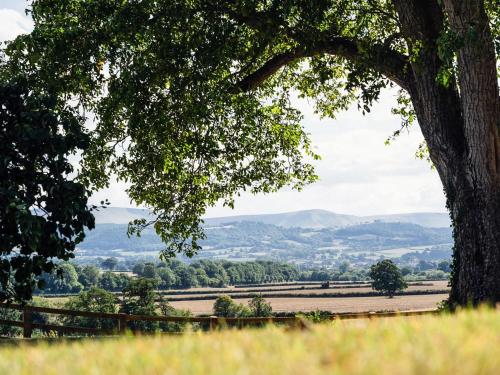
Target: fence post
x,y
213,323
122,324
27,322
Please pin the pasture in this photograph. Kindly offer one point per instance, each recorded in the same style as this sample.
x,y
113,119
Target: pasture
x,y
464,343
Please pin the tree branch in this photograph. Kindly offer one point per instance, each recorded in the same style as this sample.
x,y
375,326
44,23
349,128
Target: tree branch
x,y
388,62
255,79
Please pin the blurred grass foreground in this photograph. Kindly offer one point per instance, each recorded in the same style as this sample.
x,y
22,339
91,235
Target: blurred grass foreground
x,y
465,343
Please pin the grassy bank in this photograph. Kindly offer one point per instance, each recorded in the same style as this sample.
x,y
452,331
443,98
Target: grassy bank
x,y
466,343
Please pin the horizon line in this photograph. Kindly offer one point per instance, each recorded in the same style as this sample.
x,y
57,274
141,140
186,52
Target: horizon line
x,y
297,211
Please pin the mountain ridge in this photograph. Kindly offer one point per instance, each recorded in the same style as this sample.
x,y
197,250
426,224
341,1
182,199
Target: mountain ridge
x,y
314,218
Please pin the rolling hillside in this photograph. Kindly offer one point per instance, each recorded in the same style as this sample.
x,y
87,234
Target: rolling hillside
x,y
239,240
303,219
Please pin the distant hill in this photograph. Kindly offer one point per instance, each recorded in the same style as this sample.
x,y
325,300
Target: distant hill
x,y
328,219
313,238
379,235
358,244
425,219
303,219
243,234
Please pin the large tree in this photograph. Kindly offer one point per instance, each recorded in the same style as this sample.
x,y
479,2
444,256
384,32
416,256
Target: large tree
x,y
43,208
192,99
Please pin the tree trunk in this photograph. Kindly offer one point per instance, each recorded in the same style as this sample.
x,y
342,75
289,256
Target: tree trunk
x,y
476,266
460,124
475,204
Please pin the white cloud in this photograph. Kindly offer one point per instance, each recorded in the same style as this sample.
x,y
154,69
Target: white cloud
x,y
13,23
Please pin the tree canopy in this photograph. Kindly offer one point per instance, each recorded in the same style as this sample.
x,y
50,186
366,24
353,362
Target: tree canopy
x,y
387,277
192,99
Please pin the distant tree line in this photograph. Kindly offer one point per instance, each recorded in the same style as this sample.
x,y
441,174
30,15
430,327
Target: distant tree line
x,y
172,274
207,273
175,274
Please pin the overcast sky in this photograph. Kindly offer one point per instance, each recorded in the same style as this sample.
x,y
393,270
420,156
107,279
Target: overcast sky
x,y
358,173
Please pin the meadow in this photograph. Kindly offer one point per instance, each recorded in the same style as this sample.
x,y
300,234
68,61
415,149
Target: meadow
x,y
465,343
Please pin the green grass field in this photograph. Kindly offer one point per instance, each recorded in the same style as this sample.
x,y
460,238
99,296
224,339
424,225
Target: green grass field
x,y
465,343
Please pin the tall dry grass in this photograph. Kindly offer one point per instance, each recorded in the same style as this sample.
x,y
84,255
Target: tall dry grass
x,y
465,343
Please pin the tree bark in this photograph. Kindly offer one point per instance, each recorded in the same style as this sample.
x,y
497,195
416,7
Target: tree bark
x,y
461,126
476,205
476,265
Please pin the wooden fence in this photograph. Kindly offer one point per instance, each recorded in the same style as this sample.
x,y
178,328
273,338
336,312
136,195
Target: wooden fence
x,y
211,322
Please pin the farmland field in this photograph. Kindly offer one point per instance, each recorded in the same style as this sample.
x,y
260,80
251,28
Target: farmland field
x,y
461,344
344,289
200,300
335,305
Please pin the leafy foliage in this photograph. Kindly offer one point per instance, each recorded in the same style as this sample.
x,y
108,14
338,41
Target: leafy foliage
x,y
94,300
16,315
112,281
139,299
207,273
192,98
88,276
224,306
167,310
43,211
65,280
169,120
10,314
260,307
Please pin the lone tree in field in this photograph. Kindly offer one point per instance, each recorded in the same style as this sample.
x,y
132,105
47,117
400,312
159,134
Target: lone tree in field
x,y
387,278
192,100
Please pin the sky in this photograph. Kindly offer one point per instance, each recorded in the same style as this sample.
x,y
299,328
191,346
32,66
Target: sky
x,y
358,173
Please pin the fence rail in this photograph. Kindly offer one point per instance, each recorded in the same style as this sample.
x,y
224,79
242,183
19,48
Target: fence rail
x,y
212,322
